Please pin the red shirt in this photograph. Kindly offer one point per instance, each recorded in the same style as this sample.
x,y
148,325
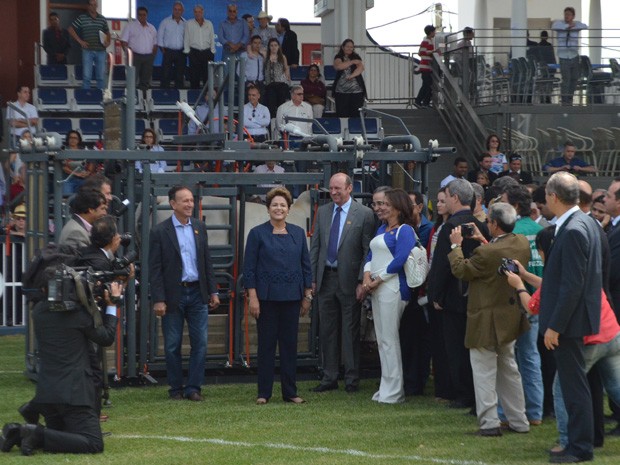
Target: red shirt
x,y
609,323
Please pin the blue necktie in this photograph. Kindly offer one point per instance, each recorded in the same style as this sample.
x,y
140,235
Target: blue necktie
x,y
332,246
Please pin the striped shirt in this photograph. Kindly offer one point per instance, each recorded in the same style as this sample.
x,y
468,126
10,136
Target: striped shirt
x,y
87,28
427,47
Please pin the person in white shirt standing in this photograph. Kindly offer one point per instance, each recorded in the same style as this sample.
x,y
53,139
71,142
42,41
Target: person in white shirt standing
x,y
200,44
141,37
567,32
170,37
256,117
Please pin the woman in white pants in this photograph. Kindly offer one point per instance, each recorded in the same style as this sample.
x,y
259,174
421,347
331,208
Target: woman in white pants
x,y
384,278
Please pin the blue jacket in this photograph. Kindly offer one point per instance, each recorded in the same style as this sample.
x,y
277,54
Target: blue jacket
x,y
277,265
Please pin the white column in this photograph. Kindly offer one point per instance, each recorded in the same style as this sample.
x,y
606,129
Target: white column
x,y
518,24
481,25
595,23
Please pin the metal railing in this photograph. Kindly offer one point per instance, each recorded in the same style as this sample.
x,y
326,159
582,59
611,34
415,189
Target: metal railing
x,y
13,301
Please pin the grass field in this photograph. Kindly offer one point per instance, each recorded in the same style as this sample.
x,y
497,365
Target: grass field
x,y
332,428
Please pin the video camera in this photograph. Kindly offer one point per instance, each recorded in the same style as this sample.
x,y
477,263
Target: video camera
x,y
72,287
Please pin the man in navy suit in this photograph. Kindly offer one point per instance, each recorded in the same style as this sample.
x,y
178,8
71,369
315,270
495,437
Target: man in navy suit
x,y
612,206
183,288
570,308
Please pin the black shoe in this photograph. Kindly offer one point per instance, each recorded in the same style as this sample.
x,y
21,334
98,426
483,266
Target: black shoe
x,y
177,396
325,387
29,414
568,458
489,432
31,438
459,404
10,437
351,388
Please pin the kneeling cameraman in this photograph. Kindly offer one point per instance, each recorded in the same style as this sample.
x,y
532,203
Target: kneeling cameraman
x,y
65,394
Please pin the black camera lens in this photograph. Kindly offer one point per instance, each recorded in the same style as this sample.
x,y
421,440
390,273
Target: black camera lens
x,y
125,239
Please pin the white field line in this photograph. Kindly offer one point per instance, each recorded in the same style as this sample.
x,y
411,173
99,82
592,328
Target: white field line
x,y
321,450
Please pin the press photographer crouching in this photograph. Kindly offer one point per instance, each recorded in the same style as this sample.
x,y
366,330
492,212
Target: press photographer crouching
x,y
67,322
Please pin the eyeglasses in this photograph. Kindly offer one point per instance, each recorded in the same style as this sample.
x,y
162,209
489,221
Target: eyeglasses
x,y
380,204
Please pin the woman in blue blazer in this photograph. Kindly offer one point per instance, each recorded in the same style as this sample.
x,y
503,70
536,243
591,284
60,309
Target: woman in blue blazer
x,y
278,281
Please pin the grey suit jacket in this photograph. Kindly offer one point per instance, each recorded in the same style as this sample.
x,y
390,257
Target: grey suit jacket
x,y
353,245
74,234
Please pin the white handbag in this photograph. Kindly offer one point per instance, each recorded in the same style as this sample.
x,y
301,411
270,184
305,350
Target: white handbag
x,y
416,267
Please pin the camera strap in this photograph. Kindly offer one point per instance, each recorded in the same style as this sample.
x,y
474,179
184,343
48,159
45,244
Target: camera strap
x,y
80,290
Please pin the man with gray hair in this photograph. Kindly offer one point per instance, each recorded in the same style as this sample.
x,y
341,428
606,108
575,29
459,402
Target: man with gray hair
x,y
570,308
297,108
495,320
448,294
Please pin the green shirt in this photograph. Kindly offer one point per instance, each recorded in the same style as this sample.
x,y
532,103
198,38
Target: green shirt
x,y
87,28
529,228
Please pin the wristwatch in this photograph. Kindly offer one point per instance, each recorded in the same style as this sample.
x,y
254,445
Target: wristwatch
x,y
454,246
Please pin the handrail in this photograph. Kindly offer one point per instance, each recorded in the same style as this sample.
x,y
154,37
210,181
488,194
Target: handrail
x,y
457,113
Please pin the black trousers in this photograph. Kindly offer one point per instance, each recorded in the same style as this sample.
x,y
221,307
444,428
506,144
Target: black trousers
x,y
276,93
173,67
454,324
576,392
426,91
71,429
415,343
198,61
348,105
441,366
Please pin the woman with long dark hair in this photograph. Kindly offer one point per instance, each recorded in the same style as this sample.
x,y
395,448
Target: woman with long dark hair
x,y
349,87
385,280
277,77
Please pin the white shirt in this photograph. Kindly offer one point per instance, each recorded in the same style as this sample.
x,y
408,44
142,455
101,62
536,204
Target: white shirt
x,y
170,34
29,109
199,37
140,39
256,119
304,110
263,169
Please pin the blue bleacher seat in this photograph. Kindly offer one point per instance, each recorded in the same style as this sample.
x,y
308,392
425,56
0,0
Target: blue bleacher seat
x,y
192,96
329,73
60,125
87,100
331,125
91,128
140,127
163,99
118,75
52,75
299,73
168,127
51,98
373,127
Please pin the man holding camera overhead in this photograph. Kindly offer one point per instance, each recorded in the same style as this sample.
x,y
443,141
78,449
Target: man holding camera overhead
x,y
494,319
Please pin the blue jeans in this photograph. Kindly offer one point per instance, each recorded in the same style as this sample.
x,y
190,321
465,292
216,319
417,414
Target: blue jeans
x,y
607,358
192,309
528,359
88,58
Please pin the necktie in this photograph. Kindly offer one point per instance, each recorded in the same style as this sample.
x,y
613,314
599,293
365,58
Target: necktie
x,y
257,68
332,246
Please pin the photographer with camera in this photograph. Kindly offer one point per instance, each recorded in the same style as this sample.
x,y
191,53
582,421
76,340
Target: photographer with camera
x,y
66,327
494,319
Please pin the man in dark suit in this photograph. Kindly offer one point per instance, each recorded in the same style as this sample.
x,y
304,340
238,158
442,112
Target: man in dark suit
x,y
183,287
65,394
338,252
612,206
515,172
448,294
288,42
494,321
570,308
485,161
88,206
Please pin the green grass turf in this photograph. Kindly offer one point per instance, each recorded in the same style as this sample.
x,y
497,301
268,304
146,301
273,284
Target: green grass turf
x,y
332,428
